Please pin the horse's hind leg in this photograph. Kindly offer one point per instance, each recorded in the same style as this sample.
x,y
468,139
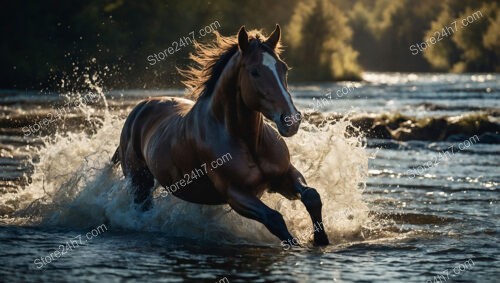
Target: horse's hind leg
x,y
294,186
142,182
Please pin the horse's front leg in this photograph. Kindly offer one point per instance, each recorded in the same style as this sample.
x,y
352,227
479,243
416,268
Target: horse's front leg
x,y
312,201
294,184
250,206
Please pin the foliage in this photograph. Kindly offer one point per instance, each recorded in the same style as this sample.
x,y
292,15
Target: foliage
x,y
472,48
319,38
46,41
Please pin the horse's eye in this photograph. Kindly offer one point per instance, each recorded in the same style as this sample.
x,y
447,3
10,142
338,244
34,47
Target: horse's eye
x,y
254,73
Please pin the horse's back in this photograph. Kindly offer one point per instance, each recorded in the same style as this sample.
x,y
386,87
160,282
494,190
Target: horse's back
x,y
160,137
143,121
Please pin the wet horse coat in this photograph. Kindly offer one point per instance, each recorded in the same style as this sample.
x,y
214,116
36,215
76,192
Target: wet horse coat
x,y
238,83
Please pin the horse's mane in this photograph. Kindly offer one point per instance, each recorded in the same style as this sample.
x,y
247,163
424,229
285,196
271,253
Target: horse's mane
x,y
210,60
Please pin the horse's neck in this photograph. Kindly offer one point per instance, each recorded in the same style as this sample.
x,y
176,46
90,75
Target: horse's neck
x,y
227,106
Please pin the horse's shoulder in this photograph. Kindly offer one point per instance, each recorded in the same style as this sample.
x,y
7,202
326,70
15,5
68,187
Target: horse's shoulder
x,y
272,142
273,156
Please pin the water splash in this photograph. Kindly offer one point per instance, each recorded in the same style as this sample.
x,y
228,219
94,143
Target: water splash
x,y
74,185
336,164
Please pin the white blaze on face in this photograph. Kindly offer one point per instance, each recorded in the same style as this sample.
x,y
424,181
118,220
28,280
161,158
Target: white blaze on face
x,y
269,61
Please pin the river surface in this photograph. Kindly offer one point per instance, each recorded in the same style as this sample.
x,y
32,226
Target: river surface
x,y
414,211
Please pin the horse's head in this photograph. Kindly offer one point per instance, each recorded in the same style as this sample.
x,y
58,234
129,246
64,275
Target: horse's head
x,y
263,81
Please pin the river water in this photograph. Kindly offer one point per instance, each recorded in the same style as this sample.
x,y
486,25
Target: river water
x,y
413,211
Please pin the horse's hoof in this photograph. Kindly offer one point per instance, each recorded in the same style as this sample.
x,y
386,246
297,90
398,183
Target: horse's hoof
x,y
320,239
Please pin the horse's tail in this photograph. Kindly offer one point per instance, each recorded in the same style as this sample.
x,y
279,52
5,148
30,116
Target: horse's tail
x,y
116,157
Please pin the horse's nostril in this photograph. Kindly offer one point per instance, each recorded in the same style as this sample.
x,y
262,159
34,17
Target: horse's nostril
x,y
282,118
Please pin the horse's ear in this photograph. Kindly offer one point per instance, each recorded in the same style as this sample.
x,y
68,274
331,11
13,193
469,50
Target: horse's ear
x,y
243,39
274,38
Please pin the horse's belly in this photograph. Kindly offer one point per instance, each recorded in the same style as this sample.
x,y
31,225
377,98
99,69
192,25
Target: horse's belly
x,y
194,188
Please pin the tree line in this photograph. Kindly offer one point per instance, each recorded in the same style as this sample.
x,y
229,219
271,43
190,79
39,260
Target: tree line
x,y
52,43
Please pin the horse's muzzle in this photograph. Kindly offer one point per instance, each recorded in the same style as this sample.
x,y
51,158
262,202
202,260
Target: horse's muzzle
x,y
288,125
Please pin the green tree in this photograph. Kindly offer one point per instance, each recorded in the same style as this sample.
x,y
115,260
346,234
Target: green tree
x,y
491,40
319,40
442,55
473,47
475,56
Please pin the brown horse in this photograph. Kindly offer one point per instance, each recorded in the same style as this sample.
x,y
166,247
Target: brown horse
x,y
169,139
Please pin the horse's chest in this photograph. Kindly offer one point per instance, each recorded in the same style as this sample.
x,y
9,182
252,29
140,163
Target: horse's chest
x,y
273,168
274,159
